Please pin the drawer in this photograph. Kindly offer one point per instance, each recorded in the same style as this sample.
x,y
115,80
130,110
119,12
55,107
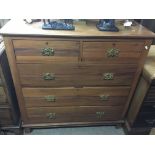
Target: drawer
x,y
58,97
74,114
46,50
72,74
5,116
119,52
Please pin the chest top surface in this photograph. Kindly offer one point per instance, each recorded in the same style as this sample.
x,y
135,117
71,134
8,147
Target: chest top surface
x,y
19,28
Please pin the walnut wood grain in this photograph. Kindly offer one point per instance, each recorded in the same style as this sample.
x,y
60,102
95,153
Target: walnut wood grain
x,y
74,114
128,51
36,97
63,50
73,74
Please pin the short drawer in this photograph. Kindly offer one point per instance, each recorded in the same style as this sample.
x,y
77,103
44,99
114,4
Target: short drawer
x,y
58,97
118,52
5,116
67,74
46,50
74,114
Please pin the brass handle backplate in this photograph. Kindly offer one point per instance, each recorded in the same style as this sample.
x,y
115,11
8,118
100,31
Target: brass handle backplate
x,y
108,76
49,76
99,114
50,98
51,115
104,97
113,52
48,52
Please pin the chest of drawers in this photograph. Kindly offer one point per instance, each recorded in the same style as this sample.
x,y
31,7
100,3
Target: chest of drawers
x,y
83,77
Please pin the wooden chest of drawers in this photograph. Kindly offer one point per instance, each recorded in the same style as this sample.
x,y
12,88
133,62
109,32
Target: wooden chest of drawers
x,y
9,111
79,77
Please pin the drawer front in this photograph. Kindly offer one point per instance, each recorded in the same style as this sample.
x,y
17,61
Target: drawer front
x,y
120,52
74,114
5,116
66,75
54,97
45,50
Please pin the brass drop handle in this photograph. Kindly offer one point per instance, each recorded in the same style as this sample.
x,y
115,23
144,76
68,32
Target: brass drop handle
x,y
104,97
48,76
100,114
51,115
108,76
48,52
112,52
50,98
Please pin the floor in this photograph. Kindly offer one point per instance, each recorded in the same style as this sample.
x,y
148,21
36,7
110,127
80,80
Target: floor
x,y
100,130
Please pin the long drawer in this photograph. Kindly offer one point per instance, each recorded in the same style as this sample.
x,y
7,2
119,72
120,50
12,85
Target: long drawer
x,y
58,97
74,74
74,114
46,50
120,52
